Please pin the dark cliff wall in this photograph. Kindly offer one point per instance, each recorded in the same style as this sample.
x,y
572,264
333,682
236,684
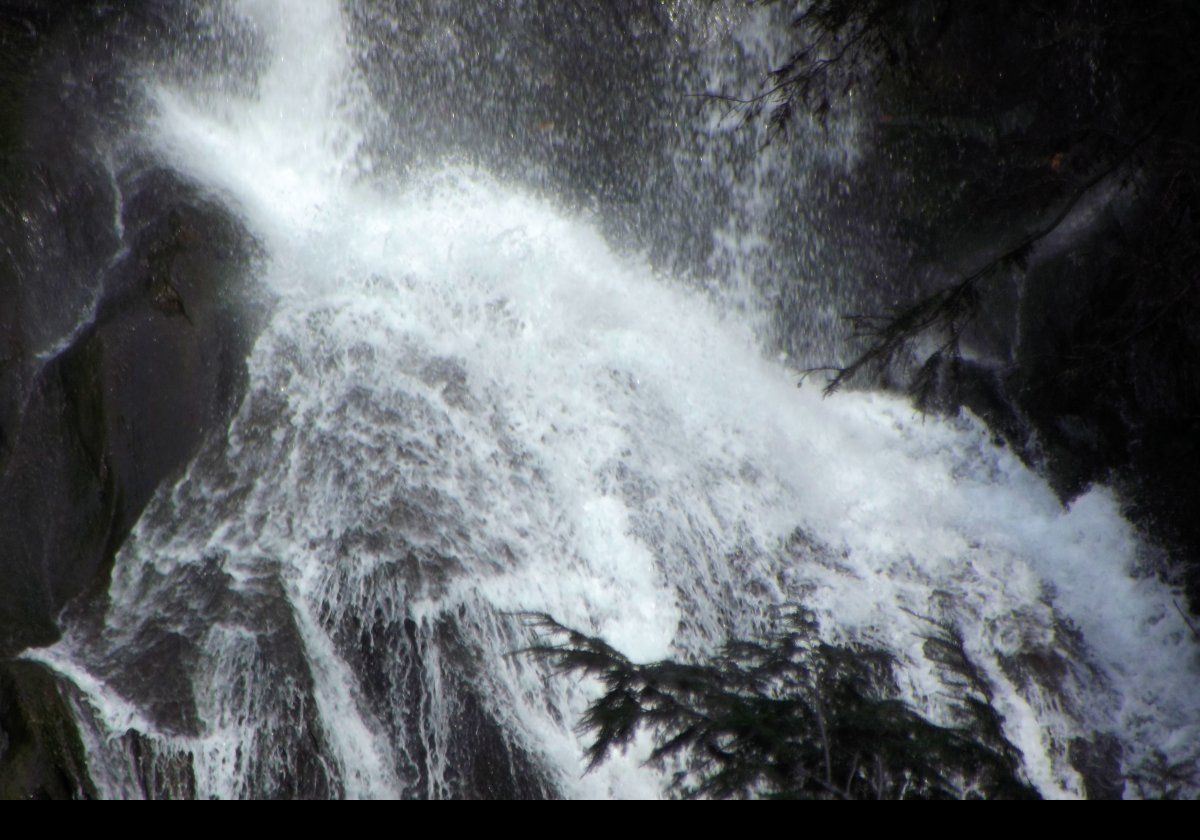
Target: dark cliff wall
x,y
1041,160
122,342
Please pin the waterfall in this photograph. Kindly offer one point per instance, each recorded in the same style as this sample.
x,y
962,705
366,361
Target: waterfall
x,y
473,395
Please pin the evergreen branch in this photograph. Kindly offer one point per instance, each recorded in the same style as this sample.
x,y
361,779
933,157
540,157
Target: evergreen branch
x,y
953,307
785,715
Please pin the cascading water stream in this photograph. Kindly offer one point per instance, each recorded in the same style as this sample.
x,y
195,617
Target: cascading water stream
x,y
467,402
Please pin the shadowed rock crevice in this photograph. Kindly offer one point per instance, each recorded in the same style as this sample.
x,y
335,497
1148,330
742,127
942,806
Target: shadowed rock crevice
x,y
41,755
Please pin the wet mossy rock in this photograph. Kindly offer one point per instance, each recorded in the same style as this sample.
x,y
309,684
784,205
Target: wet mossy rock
x,y
41,756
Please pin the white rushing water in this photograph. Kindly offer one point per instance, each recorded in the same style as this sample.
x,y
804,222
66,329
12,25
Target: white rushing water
x,y
466,402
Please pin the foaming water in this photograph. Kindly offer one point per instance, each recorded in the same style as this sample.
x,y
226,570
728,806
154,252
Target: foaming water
x,y
466,403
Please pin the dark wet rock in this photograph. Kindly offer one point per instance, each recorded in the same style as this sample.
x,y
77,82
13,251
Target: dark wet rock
x,y
153,653
485,759
125,407
1098,383
159,678
1098,761
1043,668
121,340
979,388
160,775
292,759
408,670
41,755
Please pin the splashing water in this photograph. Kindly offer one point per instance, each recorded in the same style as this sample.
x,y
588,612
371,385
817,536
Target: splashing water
x,y
465,403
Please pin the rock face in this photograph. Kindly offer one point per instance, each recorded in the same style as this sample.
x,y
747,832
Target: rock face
x,y
1100,382
41,756
123,408
1109,375
122,345
1083,350
122,334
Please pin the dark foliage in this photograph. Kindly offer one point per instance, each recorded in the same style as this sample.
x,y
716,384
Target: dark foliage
x,y
787,716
